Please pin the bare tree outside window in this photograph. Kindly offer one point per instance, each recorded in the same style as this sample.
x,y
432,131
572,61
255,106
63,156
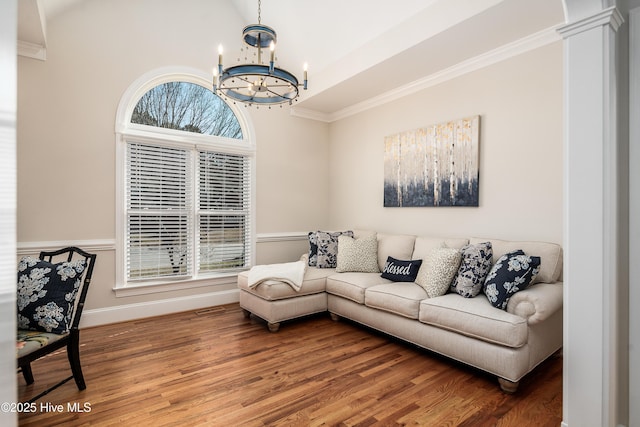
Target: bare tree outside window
x,y
188,107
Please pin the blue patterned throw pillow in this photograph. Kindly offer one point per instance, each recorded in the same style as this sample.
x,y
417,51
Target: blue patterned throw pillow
x,y
313,248
47,293
473,270
512,272
401,271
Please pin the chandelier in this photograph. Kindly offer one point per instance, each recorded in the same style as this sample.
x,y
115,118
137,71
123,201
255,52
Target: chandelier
x,y
257,83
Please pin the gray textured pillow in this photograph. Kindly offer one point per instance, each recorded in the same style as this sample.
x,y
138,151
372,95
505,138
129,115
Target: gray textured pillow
x,y
438,270
359,255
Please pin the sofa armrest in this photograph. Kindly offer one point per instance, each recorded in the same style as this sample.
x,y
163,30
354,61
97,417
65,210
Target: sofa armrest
x,y
536,303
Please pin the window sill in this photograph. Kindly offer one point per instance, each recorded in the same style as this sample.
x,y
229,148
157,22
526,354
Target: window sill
x,y
146,288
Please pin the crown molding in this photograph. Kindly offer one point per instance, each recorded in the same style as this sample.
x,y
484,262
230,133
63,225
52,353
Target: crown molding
x,y
32,50
610,16
306,113
518,47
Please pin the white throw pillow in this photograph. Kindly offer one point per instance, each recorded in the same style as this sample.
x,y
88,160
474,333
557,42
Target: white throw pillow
x,y
360,255
438,270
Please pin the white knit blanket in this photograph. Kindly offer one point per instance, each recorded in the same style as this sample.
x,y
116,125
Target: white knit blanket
x,y
291,273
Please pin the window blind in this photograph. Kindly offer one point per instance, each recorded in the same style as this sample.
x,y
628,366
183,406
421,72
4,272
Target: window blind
x,y
224,211
159,203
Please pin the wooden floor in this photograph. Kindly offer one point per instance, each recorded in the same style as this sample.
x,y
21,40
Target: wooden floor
x,y
218,368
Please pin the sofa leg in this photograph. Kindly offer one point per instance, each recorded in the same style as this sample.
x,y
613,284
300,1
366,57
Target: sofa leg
x,y
246,313
507,386
334,317
273,327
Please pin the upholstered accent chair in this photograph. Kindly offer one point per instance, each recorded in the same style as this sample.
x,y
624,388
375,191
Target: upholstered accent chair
x,y
51,293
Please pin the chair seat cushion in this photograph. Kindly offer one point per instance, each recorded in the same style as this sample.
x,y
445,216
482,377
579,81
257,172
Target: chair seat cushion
x,y
29,341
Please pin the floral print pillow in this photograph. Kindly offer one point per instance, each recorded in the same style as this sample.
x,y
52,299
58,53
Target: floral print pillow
x,y
328,248
313,248
47,293
512,272
473,270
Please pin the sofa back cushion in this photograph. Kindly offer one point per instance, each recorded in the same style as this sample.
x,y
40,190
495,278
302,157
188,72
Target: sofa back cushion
x,y
398,246
424,245
550,256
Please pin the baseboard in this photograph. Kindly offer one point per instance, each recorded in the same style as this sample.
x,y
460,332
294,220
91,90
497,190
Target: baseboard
x,y
123,313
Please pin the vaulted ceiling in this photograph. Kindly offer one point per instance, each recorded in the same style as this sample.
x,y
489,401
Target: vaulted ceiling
x,y
362,51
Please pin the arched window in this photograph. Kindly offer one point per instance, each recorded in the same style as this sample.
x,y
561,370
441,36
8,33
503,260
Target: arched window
x,y
185,170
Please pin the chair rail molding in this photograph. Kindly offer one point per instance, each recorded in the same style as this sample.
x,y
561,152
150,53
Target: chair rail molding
x,y
28,248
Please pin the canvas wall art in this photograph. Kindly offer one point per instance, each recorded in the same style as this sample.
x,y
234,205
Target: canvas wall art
x,y
433,166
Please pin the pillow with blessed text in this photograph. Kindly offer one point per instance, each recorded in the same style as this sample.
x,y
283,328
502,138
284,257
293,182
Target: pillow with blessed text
x,y
401,271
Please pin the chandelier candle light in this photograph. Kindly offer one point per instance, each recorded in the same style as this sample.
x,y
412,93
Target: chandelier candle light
x,y
257,83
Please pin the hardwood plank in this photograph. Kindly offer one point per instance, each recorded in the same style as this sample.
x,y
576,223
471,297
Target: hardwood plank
x,y
217,368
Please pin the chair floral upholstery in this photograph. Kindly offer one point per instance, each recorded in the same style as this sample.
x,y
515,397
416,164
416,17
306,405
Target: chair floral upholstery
x,y
50,300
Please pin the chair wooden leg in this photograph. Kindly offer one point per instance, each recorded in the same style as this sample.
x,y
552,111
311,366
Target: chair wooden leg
x,y
73,354
26,373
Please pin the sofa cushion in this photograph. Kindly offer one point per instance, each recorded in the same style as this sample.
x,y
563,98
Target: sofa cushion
x,y
511,273
399,246
271,290
474,267
328,247
358,255
438,270
401,271
401,298
550,256
424,245
353,285
474,317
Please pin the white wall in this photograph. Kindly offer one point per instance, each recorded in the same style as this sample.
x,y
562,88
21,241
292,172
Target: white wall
x,y
66,142
520,104
8,85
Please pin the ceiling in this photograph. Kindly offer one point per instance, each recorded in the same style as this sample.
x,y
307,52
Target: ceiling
x,y
365,51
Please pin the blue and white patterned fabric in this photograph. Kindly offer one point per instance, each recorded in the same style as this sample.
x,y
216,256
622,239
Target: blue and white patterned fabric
x,y
313,248
473,270
328,247
512,272
47,293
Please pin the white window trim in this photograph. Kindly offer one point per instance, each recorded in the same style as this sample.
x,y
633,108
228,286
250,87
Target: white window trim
x,y
126,131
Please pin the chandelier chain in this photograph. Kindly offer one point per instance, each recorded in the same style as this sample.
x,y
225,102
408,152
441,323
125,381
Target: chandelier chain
x,y
259,12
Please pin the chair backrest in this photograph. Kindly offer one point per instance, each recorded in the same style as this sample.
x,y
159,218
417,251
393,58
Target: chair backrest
x,y
72,253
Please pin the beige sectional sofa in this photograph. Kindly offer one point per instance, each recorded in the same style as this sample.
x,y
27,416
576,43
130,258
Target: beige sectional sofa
x,y
506,342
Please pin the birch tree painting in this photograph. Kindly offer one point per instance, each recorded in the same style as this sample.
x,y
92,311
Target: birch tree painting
x,y
433,166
